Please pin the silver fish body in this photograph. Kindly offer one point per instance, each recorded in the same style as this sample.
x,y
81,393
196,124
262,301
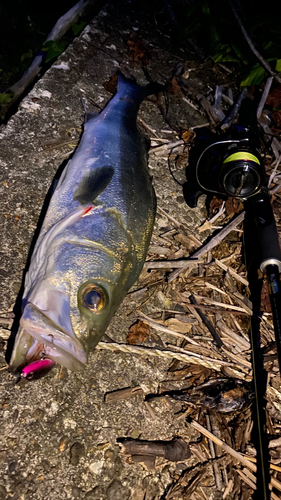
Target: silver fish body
x,y
93,240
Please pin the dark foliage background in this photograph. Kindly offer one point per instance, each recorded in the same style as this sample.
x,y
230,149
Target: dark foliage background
x,y
25,24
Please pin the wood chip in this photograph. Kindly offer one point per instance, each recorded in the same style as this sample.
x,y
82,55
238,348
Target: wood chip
x,y
178,326
156,249
274,443
120,394
176,450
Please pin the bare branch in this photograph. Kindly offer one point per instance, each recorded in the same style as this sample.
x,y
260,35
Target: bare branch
x,y
251,45
265,93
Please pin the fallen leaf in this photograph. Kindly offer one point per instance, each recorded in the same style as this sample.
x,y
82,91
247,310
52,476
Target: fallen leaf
x,y
186,241
188,135
137,50
111,85
173,87
215,205
274,97
181,159
233,206
139,332
276,117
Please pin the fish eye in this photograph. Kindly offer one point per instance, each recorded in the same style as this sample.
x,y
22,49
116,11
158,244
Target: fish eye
x,y
93,298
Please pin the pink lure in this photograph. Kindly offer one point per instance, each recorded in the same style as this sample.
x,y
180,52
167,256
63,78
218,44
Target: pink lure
x,y
37,369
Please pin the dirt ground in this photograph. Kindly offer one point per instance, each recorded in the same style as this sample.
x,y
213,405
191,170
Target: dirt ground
x,y
59,435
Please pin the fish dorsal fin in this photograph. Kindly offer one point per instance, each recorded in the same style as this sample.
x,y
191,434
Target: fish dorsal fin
x,y
93,184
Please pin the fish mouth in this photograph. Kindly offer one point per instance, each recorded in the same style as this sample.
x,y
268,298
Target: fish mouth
x,y
39,336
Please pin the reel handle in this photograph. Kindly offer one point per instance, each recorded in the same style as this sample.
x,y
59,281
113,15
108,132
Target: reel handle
x,y
191,192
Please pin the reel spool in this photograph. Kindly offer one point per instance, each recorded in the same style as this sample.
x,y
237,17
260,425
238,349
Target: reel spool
x,y
231,168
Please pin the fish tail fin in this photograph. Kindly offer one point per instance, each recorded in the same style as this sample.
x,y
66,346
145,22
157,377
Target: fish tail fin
x,y
143,91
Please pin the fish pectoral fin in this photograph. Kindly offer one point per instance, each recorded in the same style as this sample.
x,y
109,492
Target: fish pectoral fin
x,y
93,184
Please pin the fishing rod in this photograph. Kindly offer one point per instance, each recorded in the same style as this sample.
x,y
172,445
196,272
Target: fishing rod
x,y
230,164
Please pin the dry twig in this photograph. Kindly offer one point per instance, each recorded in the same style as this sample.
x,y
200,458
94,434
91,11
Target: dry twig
x,y
272,175
162,328
172,264
265,93
172,146
217,473
120,394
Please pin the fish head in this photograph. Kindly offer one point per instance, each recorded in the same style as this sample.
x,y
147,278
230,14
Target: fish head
x,y
67,311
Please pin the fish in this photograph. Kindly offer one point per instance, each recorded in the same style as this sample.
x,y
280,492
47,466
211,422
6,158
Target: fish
x,y
93,240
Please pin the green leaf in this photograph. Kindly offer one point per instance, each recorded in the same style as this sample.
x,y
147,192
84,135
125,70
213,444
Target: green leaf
x,y
224,58
239,54
215,36
26,55
278,65
255,77
225,54
5,98
230,58
268,45
54,49
206,8
77,28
